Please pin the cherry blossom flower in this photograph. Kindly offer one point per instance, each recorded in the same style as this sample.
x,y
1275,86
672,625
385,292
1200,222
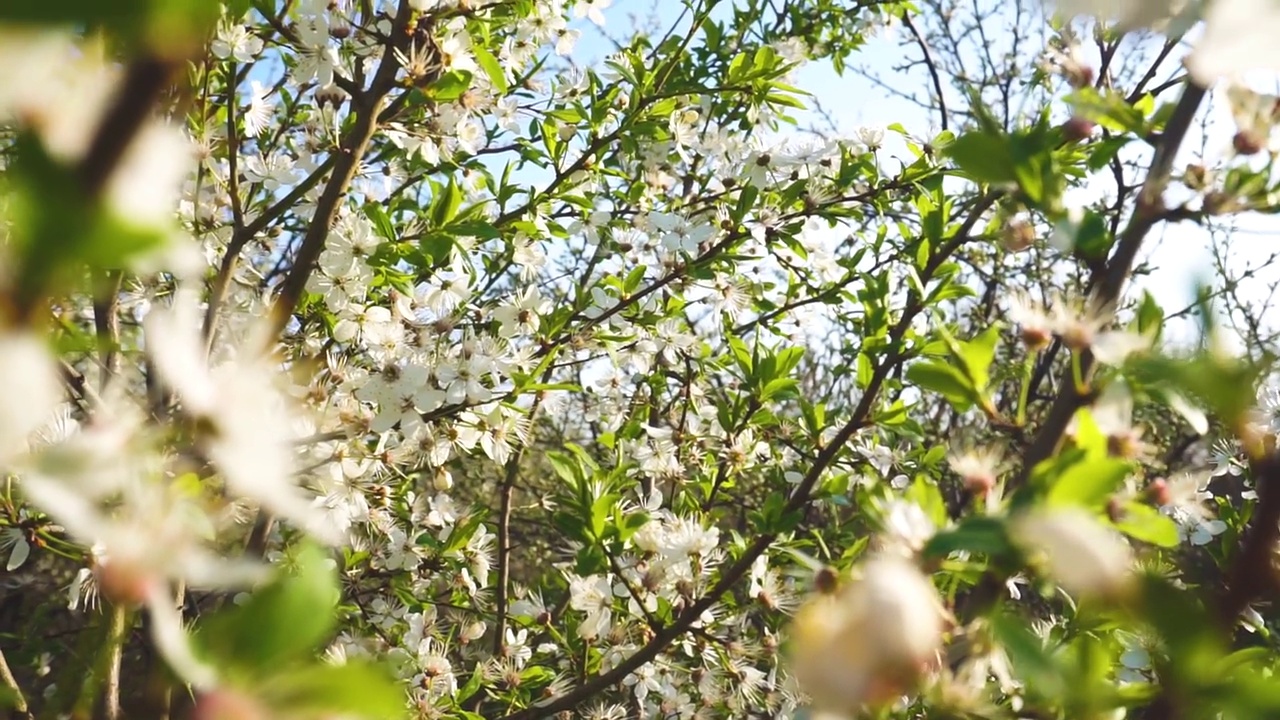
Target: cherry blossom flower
x,y
868,642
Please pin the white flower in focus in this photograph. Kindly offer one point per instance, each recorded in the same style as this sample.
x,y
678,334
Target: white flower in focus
x,y
235,42
870,641
14,540
872,138
592,595
32,392
258,114
567,39
1225,453
1083,556
1201,532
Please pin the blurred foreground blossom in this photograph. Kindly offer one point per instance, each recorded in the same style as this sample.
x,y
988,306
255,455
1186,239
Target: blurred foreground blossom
x,y
870,641
1083,556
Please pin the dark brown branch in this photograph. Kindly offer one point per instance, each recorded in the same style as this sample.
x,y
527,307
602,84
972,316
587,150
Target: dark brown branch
x,y
145,79
1146,214
929,63
366,107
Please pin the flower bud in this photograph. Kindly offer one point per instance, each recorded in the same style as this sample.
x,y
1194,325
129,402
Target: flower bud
x,y
1247,142
1196,177
1083,556
442,480
1018,235
1159,492
1078,128
871,641
223,704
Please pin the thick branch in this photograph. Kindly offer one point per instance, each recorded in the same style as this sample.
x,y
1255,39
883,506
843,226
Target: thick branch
x,y
1145,216
366,107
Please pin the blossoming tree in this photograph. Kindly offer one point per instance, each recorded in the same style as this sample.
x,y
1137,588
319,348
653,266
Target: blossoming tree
x,y
390,358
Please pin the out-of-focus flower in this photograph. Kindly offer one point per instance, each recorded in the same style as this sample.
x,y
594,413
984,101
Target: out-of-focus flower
x,y
1129,14
979,468
246,424
1086,558
32,389
870,641
1239,36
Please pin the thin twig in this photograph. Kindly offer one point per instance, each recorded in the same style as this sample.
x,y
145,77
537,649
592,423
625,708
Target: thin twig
x,y
19,710
106,321
929,63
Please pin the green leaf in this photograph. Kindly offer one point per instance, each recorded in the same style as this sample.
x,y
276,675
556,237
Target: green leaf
x,y
979,353
381,221
444,206
1223,385
781,387
925,493
983,156
352,690
975,534
1028,657
945,380
167,27
1092,240
1111,111
1150,316
282,622
630,524
449,86
57,231
1103,151
1089,482
491,68
600,511
1145,523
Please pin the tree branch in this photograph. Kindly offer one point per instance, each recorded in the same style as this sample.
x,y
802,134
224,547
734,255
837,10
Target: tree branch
x,y
1146,214
732,575
366,106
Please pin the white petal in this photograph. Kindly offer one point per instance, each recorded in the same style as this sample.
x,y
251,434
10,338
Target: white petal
x,y
21,550
171,640
1194,416
1113,346
32,389
1239,36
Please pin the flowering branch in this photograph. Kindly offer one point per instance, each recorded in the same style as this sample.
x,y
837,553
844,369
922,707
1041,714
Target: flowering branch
x,y
859,419
1145,216
366,107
